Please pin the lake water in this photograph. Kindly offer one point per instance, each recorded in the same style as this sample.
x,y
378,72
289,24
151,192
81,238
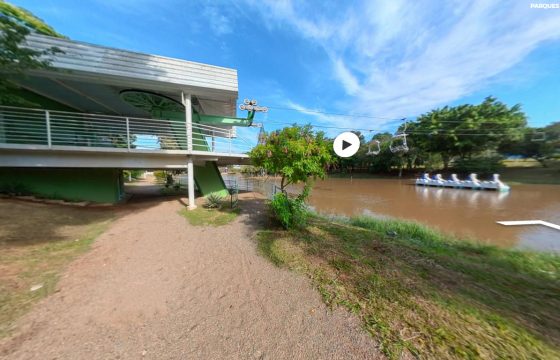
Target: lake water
x,y
465,213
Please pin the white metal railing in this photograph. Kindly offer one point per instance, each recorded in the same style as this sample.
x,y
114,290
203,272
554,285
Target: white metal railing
x,y
59,129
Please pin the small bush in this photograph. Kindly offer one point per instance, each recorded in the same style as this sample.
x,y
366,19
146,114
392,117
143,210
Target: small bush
x,y
160,175
292,213
214,201
169,181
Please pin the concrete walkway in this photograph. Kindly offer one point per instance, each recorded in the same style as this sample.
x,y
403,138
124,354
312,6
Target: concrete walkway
x,y
155,287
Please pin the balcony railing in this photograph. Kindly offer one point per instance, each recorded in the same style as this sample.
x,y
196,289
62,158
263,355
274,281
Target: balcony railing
x,y
59,130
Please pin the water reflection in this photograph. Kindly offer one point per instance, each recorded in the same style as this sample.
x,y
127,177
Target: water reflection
x,y
466,213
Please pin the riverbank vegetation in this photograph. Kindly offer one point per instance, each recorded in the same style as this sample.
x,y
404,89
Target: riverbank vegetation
x,y
418,291
526,171
461,139
37,241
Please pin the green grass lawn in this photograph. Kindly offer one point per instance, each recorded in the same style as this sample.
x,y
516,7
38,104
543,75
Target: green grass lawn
x,y
210,217
419,292
37,242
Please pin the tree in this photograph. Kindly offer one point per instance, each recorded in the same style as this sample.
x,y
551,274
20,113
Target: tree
x,y
15,24
297,154
465,130
537,143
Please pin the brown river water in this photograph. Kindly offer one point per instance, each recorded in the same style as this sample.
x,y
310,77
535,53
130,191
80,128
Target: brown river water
x,y
465,213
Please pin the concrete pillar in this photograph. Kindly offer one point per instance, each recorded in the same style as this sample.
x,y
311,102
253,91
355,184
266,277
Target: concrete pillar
x,y
213,142
190,167
188,119
190,182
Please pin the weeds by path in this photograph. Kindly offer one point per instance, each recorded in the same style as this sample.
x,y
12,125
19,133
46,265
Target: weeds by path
x,y
418,291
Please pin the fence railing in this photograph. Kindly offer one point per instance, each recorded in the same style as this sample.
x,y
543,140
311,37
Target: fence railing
x,y
262,186
59,129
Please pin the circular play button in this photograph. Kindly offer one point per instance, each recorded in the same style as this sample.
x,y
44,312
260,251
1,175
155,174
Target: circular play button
x,y
346,144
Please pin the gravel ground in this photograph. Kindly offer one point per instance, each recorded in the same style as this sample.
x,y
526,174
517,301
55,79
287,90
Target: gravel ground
x,y
155,287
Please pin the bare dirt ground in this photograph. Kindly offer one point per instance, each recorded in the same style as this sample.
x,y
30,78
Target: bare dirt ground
x,y
155,287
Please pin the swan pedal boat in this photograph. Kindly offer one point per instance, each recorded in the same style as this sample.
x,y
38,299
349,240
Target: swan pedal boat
x,y
472,183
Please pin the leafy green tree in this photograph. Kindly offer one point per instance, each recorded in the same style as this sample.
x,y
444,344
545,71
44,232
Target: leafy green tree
x,y
15,24
537,143
297,154
465,130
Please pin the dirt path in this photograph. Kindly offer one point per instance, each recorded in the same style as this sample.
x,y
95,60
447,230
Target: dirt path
x,y
155,287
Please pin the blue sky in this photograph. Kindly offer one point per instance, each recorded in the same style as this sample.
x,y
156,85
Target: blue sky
x,y
386,59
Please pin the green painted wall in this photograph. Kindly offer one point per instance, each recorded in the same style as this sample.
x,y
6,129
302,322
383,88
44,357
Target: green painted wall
x,y
98,185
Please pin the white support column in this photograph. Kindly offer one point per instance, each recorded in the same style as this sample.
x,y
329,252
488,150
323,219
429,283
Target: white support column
x,y
188,119
190,182
127,134
48,123
190,167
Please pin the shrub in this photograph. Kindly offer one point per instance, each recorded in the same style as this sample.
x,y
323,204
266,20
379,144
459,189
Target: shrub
x,y
160,175
214,201
169,181
291,213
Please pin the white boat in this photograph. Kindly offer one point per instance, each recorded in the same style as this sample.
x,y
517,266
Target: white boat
x,y
472,182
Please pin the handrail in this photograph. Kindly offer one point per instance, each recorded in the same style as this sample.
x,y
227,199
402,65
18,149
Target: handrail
x,y
31,126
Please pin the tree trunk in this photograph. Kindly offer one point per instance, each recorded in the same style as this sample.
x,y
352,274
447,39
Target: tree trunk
x,y
445,159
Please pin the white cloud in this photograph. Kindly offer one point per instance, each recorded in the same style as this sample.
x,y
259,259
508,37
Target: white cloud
x,y
217,20
348,80
402,58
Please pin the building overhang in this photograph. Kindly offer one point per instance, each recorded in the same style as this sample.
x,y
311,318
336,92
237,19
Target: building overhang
x,y
89,78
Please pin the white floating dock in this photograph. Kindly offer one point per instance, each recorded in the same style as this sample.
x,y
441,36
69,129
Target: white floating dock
x,y
529,222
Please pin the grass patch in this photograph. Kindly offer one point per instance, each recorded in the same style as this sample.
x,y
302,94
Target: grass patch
x,y
419,292
210,217
37,242
173,191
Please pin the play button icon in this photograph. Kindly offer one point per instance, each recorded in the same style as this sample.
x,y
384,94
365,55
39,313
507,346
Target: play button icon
x,y
346,144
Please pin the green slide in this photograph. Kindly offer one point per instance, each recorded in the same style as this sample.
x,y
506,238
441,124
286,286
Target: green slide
x,y
209,180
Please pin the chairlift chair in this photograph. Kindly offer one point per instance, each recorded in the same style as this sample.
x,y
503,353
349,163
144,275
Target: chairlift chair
x,y
398,142
376,150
